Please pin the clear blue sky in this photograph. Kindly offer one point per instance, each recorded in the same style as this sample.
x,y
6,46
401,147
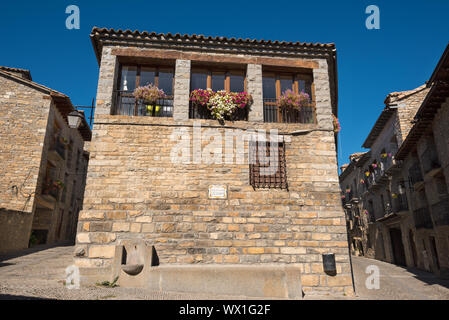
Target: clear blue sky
x,y
371,63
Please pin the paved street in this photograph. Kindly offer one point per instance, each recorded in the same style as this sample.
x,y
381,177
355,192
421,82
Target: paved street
x,y
398,283
39,273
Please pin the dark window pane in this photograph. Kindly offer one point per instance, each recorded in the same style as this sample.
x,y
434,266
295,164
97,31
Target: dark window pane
x,y
166,82
237,83
269,88
198,81
147,76
128,78
286,83
305,85
218,81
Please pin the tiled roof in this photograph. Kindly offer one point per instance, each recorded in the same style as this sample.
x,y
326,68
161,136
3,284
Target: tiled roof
x,y
439,92
198,42
13,74
62,101
354,159
386,113
169,36
356,156
26,73
396,96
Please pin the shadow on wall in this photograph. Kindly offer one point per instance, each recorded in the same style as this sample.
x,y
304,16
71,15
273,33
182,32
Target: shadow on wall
x,y
15,227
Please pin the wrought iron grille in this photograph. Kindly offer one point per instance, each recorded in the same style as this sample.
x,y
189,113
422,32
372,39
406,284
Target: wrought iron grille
x,y
271,113
267,171
126,104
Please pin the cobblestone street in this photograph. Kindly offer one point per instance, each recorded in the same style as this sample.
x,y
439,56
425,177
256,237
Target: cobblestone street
x,y
39,273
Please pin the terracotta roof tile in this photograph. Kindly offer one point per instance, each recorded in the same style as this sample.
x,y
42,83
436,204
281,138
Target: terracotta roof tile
x,y
146,34
25,73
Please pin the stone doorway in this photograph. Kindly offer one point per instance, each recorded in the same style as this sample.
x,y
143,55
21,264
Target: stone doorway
x,y
398,247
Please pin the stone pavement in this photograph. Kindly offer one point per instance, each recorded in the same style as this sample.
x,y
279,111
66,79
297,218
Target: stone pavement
x,y
398,283
39,274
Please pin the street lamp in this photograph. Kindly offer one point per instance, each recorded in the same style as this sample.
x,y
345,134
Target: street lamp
x,y
75,117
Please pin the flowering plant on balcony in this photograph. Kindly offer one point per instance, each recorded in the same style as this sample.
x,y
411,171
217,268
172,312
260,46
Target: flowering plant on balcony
x,y
367,173
150,93
200,97
221,104
366,212
291,100
58,184
242,99
336,123
362,181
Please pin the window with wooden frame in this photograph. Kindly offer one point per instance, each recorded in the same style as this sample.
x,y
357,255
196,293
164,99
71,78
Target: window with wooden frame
x,y
275,84
230,80
133,76
267,166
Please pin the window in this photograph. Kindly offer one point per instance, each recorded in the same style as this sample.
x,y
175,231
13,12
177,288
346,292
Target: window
x,y
267,165
133,76
229,80
274,84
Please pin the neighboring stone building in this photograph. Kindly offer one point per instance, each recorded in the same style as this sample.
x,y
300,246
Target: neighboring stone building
x,y
43,163
399,188
248,237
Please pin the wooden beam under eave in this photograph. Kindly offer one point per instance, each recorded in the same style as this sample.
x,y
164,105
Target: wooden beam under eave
x,y
217,58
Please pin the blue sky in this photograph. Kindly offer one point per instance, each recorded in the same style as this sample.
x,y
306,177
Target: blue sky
x,y
371,63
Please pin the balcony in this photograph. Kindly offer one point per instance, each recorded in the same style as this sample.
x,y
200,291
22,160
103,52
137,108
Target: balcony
x,y
241,114
430,161
440,213
422,218
415,175
49,195
400,203
56,151
126,105
271,113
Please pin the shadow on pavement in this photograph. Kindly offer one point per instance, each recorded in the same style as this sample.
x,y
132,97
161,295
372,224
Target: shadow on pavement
x,y
15,297
28,251
428,277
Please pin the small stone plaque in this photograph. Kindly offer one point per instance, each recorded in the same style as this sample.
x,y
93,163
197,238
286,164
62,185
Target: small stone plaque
x,y
218,192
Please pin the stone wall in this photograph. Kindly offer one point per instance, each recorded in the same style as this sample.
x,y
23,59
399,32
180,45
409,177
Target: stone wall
x,y
23,117
135,191
27,116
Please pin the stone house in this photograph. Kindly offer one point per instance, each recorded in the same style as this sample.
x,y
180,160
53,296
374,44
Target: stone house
x,y
401,178
43,163
216,226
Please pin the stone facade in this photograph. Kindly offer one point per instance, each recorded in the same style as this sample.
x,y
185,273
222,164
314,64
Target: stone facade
x,y
28,113
402,205
136,191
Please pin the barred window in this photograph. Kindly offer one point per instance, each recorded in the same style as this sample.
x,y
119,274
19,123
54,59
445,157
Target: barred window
x,y
267,165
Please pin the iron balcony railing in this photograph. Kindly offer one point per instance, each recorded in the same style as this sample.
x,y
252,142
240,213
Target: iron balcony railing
x,y
415,173
430,159
271,113
422,218
58,147
125,104
202,112
50,189
440,213
400,203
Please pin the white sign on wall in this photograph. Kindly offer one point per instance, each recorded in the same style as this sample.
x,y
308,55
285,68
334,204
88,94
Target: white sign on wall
x,y
218,192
